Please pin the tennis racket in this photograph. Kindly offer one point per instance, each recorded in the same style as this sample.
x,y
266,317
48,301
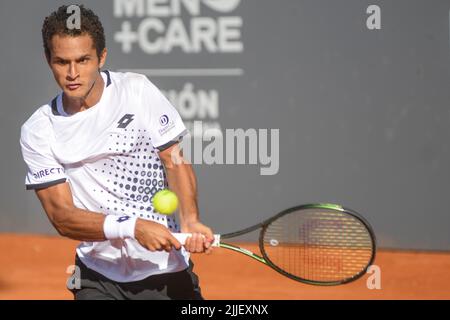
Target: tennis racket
x,y
319,244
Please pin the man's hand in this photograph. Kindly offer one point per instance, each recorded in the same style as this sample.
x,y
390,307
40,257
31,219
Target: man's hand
x,y
202,237
154,236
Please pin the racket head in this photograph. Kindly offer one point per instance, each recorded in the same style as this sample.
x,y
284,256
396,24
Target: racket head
x,y
326,244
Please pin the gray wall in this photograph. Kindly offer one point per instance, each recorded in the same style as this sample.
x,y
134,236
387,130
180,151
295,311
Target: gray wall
x,y
363,114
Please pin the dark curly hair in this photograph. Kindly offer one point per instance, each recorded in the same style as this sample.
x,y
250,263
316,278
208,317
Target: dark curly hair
x,y
56,24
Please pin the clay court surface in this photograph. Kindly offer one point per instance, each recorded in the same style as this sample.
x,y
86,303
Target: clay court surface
x,y
34,267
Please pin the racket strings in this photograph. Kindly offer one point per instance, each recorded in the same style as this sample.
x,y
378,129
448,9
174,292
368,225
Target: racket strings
x,y
322,246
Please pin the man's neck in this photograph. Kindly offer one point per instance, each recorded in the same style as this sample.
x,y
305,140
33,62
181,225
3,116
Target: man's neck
x,y
75,105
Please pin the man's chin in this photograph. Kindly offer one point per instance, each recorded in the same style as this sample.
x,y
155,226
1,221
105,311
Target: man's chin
x,y
74,94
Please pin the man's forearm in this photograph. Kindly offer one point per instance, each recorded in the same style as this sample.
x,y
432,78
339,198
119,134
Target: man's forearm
x,y
82,225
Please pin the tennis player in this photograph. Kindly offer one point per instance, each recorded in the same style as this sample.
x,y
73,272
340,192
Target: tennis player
x,y
96,154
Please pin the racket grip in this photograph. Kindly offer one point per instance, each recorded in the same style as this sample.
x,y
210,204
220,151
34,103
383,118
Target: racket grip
x,y
181,237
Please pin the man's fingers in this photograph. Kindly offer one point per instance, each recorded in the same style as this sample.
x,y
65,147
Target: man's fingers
x,y
195,243
198,242
190,244
209,237
174,242
201,243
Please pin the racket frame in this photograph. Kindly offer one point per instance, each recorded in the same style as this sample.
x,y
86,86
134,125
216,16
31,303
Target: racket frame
x,y
264,225
265,258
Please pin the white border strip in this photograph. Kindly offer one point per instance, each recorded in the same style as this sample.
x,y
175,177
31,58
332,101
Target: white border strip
x,y
235,72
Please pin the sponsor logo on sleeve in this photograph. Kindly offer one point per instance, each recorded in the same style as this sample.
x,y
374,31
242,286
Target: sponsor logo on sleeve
x,y
164,120
47,172
166,124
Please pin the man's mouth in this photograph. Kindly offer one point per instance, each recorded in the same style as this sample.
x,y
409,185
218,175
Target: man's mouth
x,y
73,87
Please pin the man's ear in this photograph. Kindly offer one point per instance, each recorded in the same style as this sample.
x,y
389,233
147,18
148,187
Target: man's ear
x,y
103,56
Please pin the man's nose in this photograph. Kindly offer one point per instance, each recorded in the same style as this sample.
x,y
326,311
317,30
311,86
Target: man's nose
x,y
73,71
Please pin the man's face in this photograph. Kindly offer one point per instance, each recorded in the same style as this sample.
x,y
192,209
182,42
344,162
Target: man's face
x,y
75,64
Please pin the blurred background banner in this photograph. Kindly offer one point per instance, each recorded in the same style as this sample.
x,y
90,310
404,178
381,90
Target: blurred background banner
x,y
343,101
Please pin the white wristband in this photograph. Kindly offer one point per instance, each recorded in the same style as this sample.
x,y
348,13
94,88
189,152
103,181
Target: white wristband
x,y
119,227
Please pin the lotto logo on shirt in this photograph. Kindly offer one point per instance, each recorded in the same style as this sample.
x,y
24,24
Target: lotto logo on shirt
x,y
47,172
125,121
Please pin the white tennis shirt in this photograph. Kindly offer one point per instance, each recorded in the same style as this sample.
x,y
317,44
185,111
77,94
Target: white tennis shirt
x,y
109,156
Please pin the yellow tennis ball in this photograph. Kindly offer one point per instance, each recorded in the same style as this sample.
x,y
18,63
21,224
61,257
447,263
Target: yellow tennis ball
x,y
165,201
